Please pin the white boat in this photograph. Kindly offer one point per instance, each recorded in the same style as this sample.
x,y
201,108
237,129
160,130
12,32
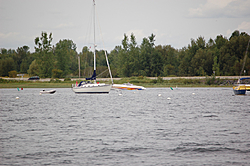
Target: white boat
x,y
127,86
91,86
48,92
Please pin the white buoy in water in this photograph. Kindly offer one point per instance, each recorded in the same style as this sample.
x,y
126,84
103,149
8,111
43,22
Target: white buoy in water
x,y
120,94
168,98
193,93
159,94
17,97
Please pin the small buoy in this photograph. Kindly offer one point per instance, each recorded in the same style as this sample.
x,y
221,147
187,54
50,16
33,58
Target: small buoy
x,y
193,93
159,94
17,97
168,98
40,93
120,94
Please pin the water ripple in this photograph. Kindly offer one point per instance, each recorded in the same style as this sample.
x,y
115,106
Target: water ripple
x,y
188,126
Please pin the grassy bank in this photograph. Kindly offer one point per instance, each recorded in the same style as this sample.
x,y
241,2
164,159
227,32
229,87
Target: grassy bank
x,y
34,84
180,82
142,81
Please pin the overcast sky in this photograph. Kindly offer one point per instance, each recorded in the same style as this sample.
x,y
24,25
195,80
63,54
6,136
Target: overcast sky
x,y
174,22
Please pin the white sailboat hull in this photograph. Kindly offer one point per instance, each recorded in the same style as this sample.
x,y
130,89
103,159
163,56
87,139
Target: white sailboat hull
x,y
92,88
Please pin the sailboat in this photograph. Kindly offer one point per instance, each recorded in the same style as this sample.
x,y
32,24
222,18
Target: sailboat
x,y
240,89
90,85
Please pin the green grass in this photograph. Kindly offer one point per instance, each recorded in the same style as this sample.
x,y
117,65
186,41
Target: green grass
x,y
35,85
180,82
141,81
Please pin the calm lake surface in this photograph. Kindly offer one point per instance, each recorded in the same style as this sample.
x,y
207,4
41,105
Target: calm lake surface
x,y
158,126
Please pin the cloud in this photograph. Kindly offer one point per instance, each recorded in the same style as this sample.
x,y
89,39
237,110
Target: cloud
x,y
137,32
64,26
222,8
229,32
13,40
245,26
8,35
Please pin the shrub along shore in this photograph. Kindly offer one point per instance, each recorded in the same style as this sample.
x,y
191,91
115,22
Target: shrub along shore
x,y
142,81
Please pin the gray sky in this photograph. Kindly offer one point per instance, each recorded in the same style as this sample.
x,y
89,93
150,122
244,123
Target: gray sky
x,y
174,22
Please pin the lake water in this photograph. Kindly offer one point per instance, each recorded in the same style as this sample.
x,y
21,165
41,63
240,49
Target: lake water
x,y
158,126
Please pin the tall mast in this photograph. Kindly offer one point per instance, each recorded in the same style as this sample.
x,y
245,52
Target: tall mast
x,y
94,37
245,58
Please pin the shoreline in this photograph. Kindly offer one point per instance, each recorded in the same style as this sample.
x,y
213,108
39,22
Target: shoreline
x,y
147,82
68,85
117,79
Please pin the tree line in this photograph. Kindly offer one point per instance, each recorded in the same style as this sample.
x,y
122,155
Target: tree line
x,y
220,56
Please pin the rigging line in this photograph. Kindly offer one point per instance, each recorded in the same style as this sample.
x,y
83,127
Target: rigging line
x,y
89,29
102,73
99,27
104,49
87,41
109,68
245,58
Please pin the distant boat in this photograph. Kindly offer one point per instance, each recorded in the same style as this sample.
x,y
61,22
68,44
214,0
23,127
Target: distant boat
x,y
48,92
239,88
247,85
127,86
93,87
